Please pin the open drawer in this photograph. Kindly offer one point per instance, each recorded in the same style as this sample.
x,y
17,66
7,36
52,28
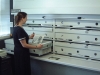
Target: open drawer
x,y
47,35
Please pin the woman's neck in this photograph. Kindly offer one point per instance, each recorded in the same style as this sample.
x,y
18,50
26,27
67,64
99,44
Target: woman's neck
x,y
20,24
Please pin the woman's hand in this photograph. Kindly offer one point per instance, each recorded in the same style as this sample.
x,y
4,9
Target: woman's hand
x,y
39,46
10,35
31,36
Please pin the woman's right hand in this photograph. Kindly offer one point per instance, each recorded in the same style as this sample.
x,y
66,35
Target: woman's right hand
x,y
39,46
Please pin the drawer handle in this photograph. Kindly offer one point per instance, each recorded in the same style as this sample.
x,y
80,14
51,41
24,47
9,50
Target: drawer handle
x,y
87,56
70,26
55,25
69,40
88,27
79,17
70,54
87,41
62,49
95,59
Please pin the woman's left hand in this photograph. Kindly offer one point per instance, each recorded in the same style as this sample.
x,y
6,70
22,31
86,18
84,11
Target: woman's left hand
x,y
31,36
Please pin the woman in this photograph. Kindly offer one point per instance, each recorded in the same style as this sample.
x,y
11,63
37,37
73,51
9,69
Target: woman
x,y
21,49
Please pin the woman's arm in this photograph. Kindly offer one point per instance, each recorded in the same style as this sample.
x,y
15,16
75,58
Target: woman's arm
x,y
25,45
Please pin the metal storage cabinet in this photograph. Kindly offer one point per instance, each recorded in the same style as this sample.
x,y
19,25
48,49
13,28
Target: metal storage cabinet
x,y
77,52
78,46
65,22
77,37
5,66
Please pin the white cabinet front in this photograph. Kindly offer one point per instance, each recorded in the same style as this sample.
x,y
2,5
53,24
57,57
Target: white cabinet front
x,y
76,23
43,29
39,21
78,46
77,52
77,37
90,32
38,29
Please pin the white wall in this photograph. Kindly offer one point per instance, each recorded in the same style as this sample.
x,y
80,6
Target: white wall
x,y
58,6
0,16
5,17
56,3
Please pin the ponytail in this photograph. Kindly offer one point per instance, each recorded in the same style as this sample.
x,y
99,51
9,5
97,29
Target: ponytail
x,y
16,20
19,16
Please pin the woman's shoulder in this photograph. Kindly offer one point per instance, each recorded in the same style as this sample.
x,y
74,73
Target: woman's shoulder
x,y
18,27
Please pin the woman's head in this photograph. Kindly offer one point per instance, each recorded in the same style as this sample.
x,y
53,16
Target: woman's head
x,y
21,17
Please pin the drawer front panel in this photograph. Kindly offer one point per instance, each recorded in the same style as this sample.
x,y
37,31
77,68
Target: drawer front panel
x,y
76,23
80,46
38,29
77,37
77,31
77,52
37,21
